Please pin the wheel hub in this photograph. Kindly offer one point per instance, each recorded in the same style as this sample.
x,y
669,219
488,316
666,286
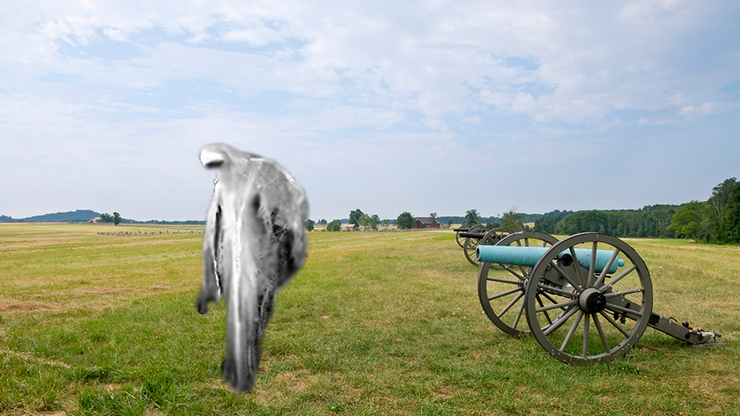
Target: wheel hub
x,y
592,301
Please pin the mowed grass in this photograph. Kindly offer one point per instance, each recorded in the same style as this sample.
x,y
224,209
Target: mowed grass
x,y
374,324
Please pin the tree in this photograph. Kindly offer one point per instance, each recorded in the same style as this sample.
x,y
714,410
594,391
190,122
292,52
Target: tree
x,y
355,216
434,219
719,202
472,217
335,225
449,223
310,224
405,221
512,220
117,218
105,217
374,221
688,219
322,222
386,222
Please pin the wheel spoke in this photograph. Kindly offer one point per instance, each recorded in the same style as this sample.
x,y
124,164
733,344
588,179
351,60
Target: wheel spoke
x,y
519,315
510,282
548,297
592,266
556,290
602,276
625,311
615,324
508,268
565,276
616,279
604,342
506,309
508,292
572,330
560,321
585,335
547,315
624,292
558,305
576,266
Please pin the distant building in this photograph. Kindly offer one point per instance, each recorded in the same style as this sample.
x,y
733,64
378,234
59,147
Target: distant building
x,y
348,227
95,220
424,222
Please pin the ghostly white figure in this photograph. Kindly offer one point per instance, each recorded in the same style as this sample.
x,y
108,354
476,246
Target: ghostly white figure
x,y
255,241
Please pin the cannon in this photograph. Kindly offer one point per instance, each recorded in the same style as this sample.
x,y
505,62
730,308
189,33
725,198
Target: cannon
x,y
462,230
587,298
477,235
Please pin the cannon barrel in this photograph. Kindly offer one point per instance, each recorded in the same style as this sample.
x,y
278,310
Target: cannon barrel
x,y
529,256
472,235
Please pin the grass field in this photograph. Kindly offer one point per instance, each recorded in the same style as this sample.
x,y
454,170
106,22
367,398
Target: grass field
x,y
375,324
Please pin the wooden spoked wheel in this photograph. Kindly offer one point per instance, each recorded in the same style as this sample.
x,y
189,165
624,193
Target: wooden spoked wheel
x,y
469,244
588,310
501,289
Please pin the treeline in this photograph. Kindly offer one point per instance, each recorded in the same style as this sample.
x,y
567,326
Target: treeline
x,y
716,220
650,221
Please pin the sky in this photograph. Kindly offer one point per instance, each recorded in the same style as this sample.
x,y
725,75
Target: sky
x,y
385,106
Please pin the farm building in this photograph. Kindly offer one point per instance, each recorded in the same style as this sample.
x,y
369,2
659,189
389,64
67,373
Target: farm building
x,y
95,220
348,227
424,222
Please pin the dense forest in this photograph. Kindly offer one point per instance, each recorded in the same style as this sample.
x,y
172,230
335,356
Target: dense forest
x,y
650,221
716,220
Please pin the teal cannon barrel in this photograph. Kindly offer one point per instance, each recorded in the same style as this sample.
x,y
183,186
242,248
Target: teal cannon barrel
x,y
529,256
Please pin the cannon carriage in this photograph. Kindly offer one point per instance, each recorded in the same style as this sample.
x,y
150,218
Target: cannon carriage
x,y
587,298
470,238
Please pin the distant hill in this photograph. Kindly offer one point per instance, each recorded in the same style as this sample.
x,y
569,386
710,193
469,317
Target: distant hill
x,y
81,215
85,215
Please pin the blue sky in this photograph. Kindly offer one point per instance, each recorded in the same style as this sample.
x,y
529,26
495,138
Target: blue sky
x,y
419,106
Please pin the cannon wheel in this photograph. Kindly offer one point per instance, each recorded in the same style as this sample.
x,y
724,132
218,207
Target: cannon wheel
x,y
460,242
502,296
490,239
469,244
588,316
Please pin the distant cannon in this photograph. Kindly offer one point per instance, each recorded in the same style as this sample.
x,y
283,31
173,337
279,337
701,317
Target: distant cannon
x,y
587,298
478,235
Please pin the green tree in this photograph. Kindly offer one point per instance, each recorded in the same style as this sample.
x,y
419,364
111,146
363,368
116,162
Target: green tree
x,y
405,221
386,222
374,221
335,225
322,222
105,217
512,220
719,202
472,217
310,224
732,216
364,221
687,221
117,218
434,219
355,216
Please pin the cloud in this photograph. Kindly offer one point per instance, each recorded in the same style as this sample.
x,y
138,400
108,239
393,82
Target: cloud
x,y
406,87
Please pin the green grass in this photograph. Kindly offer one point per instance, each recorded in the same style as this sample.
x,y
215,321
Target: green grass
x,y
375,324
